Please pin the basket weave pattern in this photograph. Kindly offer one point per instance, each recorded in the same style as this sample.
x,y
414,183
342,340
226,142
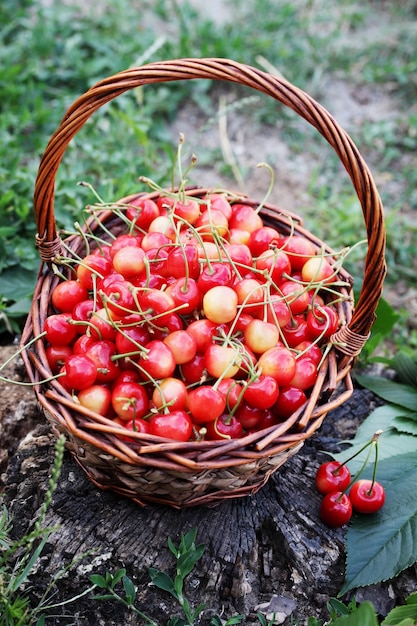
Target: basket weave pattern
x,y
153,470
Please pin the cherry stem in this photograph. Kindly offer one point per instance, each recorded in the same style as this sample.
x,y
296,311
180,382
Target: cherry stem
x,y
374,439
270,186
372,443
369,492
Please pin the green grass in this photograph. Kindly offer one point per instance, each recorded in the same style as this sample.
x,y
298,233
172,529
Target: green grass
x,y
51,54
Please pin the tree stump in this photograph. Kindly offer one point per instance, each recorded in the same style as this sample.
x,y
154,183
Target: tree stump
x,y
267,552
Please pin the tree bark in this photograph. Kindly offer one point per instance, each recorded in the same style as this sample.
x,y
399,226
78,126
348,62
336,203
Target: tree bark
x,y
268,552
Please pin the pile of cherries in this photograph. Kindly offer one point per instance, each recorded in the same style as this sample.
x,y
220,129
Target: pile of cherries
x,y
198,321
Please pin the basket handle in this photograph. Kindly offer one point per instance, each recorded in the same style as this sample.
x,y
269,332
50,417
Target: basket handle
x,y
353,335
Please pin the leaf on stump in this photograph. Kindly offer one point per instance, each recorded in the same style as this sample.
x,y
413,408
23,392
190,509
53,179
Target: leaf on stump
x,y
381,545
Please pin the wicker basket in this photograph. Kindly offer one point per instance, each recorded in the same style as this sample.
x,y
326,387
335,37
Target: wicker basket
x,y
153,470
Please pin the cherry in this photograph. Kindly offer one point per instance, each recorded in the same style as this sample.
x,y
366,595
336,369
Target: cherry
x,y
289,400
175,425
171,392
367,496
332,476
261,336
56,356
305,373
183,261
59,329
67,294
299,250
220,304
186,294
225,427
97,398
262,393
93,268
157,361
214,275
336,509
322,321
80,372
279,363
142,211
263,239
244,217
129,400
205,404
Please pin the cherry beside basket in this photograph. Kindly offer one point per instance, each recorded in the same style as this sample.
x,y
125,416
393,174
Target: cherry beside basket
x,y
149,469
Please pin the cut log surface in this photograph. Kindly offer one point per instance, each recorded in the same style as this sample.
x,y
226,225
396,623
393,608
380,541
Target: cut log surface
x,y
268,552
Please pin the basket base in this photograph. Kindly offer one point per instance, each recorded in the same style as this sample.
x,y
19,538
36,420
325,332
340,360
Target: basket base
x,y
179,490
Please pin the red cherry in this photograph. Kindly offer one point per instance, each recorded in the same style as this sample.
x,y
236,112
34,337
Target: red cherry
x,y
262,393
97,398
80,372
186,294
129,400
336,509
289,400
279,363
101,352
59,329
299,249
224,427
142,211
56,356
93,268
332,476
367,497
183,261
170,393
305,373
158,361
67,294
213,275
175,425
205,404
263,239
322,321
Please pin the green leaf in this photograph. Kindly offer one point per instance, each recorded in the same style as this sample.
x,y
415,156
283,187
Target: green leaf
x,y
130,589
173,548
104,596
391,391
162,581
382,545
17,283
406,424
178,585
197,611
187,561
364,615
188,540
117,577
98,580
386,318
337,607
391,442
406,368
176,621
